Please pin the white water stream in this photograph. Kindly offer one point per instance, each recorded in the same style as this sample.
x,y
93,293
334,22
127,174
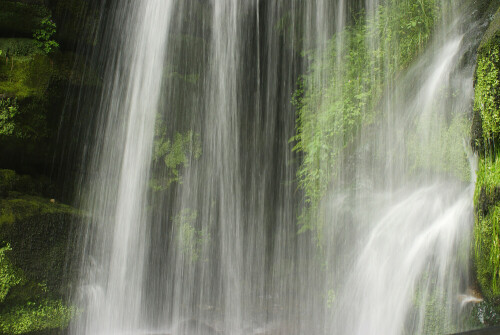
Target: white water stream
x,y
199,236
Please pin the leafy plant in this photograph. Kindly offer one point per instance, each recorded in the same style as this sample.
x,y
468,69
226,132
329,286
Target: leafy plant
x,y
172,155
487,227
487,90
9,109
190,239
28,122
340,94
36,314
33,316
9,277
43,36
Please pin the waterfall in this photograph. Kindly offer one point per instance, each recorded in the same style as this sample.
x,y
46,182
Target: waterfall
x,y
112,272
204,219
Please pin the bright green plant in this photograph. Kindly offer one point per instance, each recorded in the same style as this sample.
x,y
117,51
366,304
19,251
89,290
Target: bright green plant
x,y
487,89
36,314
9,277
33,316
341,93
487,227
26,122
44,35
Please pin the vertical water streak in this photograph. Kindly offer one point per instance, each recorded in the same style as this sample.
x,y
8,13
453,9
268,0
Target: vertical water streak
x,y
116,242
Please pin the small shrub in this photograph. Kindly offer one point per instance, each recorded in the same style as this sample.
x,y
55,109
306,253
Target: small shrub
x,y
9,110
43,36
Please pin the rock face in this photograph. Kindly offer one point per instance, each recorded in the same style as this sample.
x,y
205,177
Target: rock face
x,y
39,65
34,235
485,136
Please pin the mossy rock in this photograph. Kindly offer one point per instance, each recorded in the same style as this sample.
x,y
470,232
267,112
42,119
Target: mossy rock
x,y
24,77
487,90
12,182
18,47
487,228
493,28
21,18
34,248
37,229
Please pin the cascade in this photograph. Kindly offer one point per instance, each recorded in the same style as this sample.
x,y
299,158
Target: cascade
x,y
204,219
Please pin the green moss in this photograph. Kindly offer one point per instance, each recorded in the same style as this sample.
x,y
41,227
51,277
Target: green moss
x,y
49,314
25,76
487,89
9,277
25,305
487,227
34,235
18,47
37,230
26,206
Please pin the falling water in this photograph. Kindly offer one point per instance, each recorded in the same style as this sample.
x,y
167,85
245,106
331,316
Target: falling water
x,y
192,190
114,266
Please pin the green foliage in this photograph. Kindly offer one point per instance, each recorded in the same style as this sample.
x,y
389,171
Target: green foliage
x,y
173,155
25,206
49,314
20,122
487,193
191,240
36,312
487,252
9,109
9,277
25,77
487,89
487,227
43,36
346,80
18,47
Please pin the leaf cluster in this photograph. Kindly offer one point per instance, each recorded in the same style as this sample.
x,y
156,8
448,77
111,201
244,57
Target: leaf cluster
x,y
341,92
9,110
37,313
172,155
190,239
43,36
487,227
487,90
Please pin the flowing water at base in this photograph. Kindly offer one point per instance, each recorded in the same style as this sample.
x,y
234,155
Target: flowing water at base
x,y
192,190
